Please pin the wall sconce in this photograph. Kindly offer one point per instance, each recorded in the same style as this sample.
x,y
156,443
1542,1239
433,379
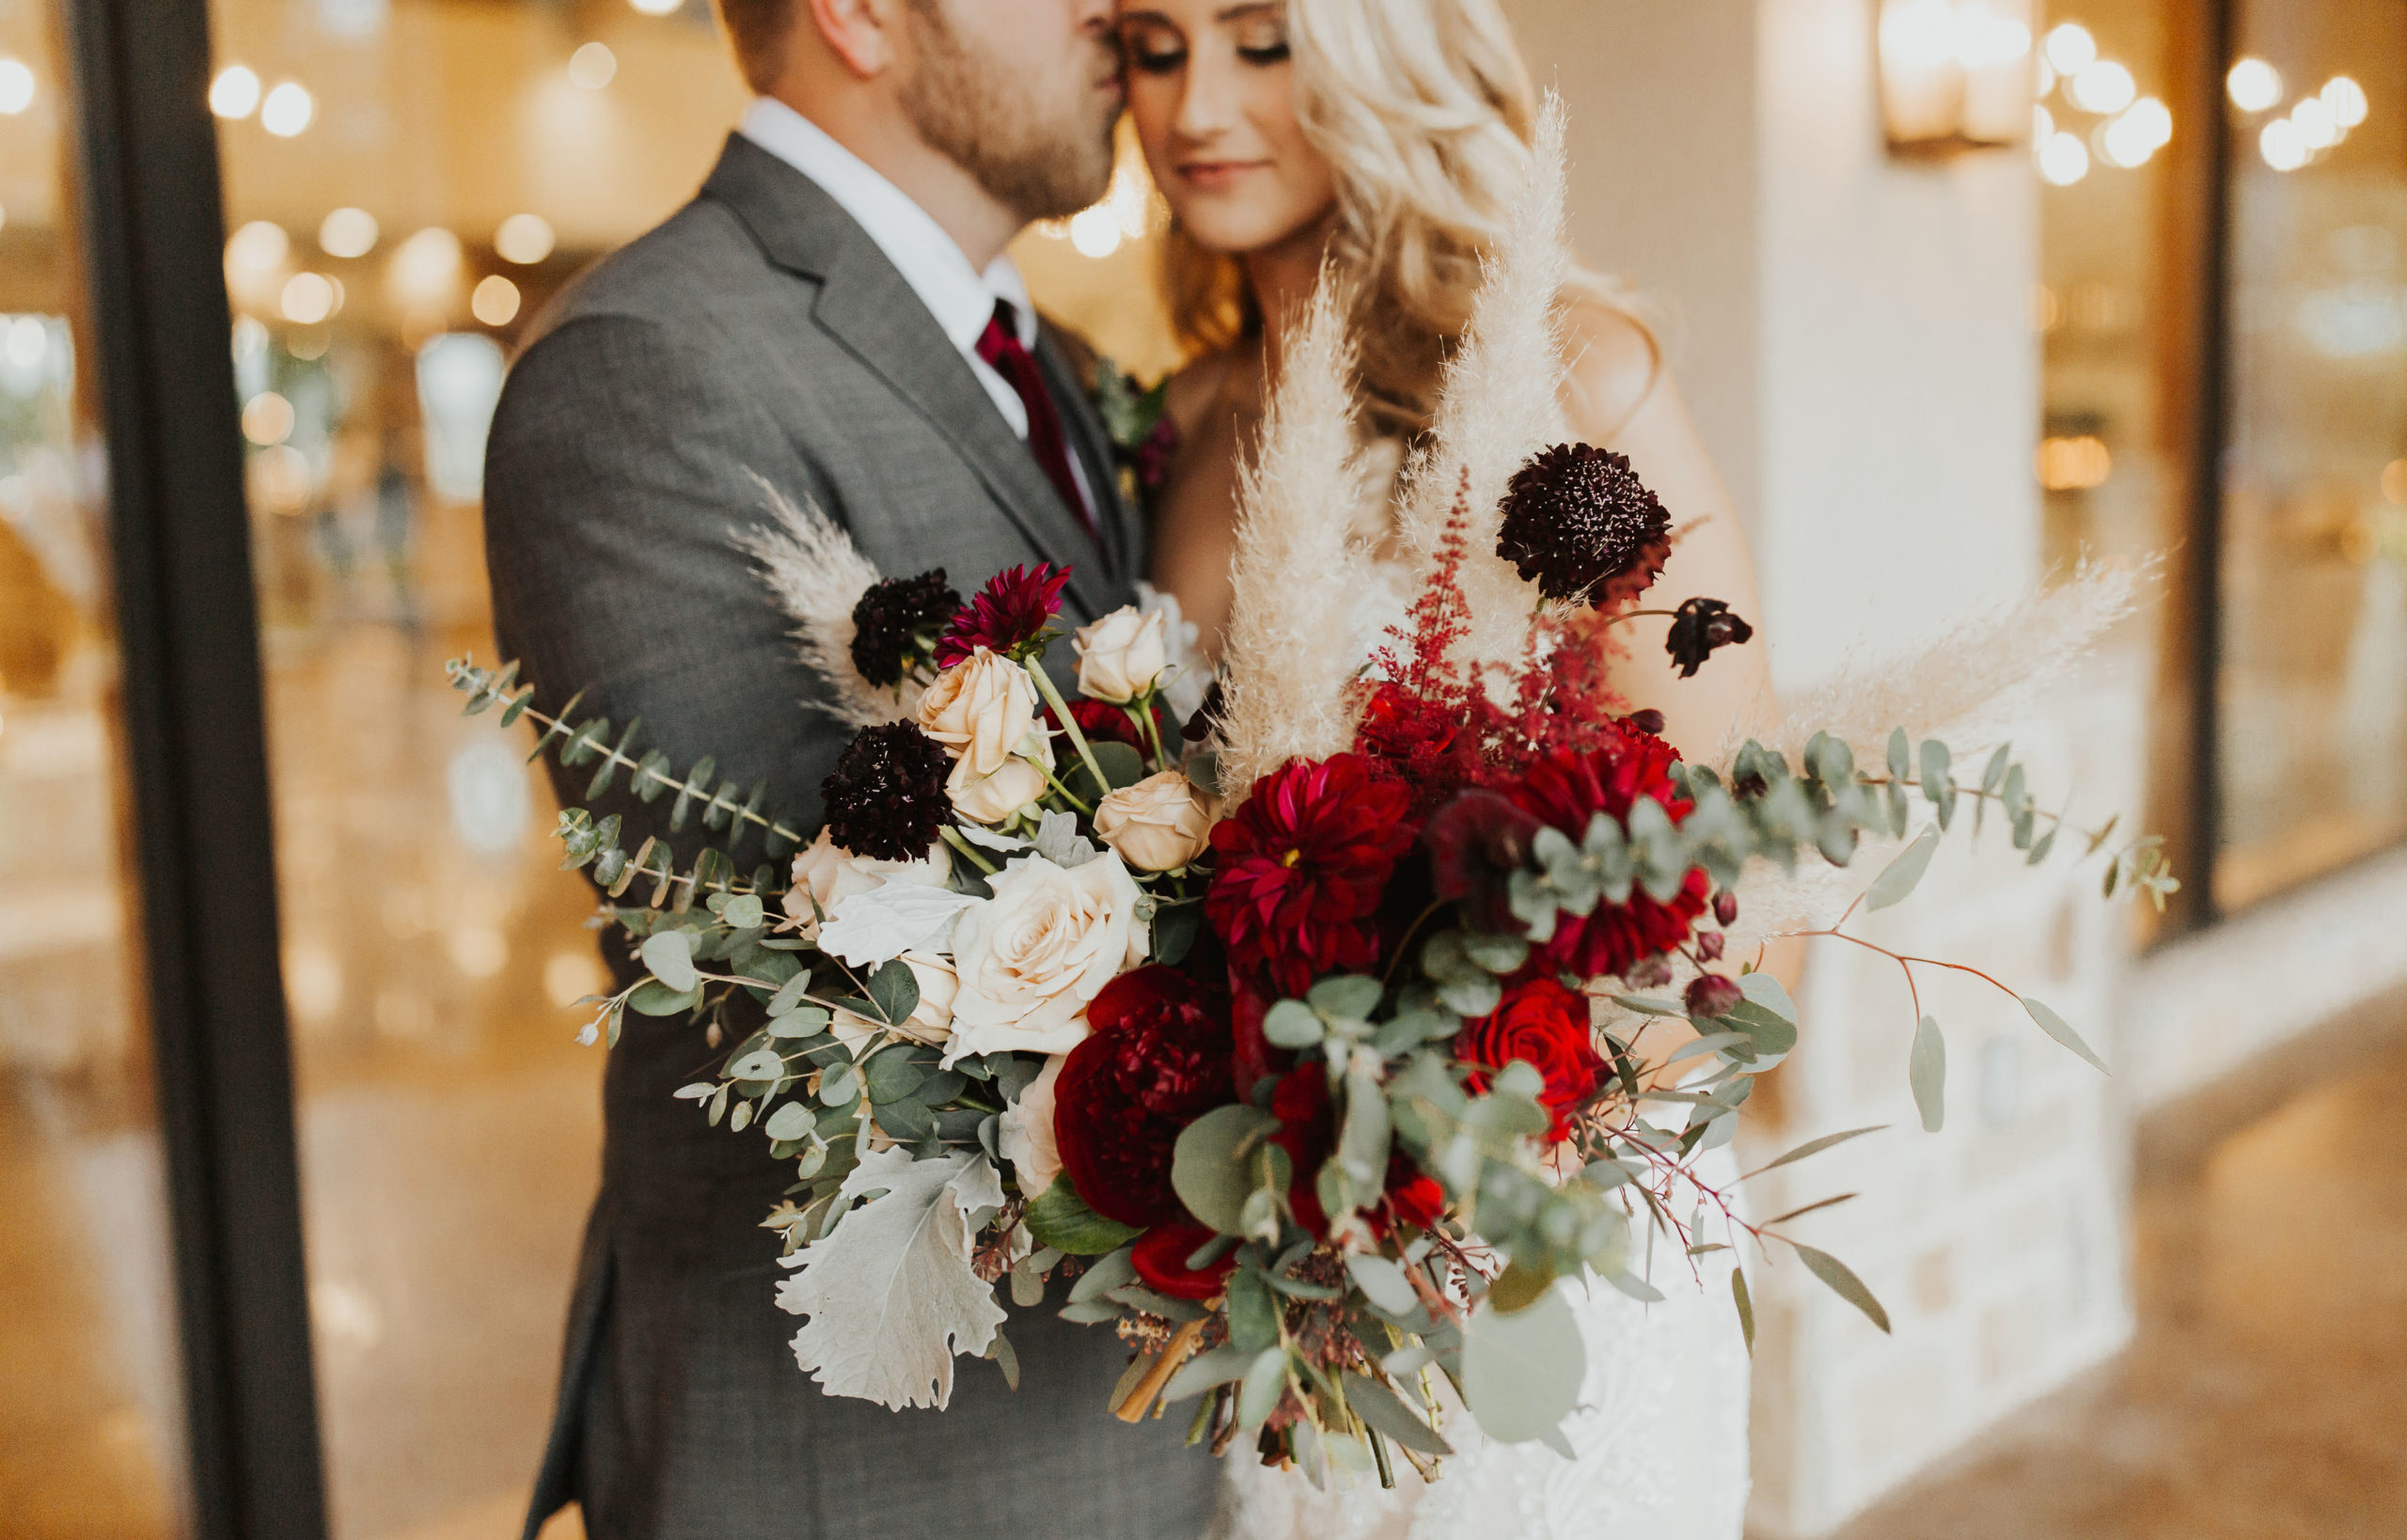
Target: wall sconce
x,y
1954,74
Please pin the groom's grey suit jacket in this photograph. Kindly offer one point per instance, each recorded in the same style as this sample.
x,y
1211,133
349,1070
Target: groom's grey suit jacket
x,y
760,330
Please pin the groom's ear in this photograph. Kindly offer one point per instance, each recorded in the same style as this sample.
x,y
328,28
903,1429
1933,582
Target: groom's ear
x,y
865,35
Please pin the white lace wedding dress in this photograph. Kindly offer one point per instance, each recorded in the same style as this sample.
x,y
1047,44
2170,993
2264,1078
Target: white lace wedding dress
x,y
1659,1441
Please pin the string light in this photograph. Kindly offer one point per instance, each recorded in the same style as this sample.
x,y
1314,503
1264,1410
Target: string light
x,y
494,301
2064,160
348,232
2069,48
524,239
16,85
2282,145
287,110
235,92
2253,85
307,299
655,7
2102,87
592,66
260,245
2347,99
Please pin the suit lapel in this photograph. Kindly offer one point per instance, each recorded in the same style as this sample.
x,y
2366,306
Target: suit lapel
x,y
1123,544
865,304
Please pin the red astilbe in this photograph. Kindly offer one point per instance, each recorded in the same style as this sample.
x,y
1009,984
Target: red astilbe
x,y
1564,790
1302,867
1008,614
1424,716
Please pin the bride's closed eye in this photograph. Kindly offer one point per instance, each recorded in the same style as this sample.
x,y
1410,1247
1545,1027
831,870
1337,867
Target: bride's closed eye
x,y
1153,47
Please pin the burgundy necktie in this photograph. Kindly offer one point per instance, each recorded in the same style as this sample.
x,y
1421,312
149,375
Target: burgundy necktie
x,y
1002,349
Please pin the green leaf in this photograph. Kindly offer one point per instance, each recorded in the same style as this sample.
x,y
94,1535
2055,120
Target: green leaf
x,y
669,956
1060,1219
1266,1382
1902,875
1647,1006
2056,1027
1253,1315
1222,1365
760,1064
1121,764
1936,788
894,989
890,1076
1208,1166
1382,1281
1813,1207
1114,1271
906,1121
1203,773
1498,954
1386,1412
1175,929
1928,1071
653,998
1521,1372
1842,1282
791,1122
1900,755
1767,990
743,912
1345,998
1739,1295
1815,1146
1291,1024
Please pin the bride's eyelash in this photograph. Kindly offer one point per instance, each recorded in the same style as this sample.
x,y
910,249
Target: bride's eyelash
x,y
1266,55
1157,64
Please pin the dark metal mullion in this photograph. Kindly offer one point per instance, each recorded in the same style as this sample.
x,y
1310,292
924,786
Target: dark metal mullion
x,y
199,777
2209,447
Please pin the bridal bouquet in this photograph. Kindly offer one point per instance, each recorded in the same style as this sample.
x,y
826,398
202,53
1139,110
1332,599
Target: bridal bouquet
x,y
1312,1033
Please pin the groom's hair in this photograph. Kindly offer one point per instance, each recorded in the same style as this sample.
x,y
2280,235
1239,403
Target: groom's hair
x,y
759,30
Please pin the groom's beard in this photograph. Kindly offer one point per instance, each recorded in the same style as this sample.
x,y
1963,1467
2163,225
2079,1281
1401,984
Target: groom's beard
x,y
1044,154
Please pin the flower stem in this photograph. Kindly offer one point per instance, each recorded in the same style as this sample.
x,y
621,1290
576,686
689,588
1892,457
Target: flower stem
x,y
953,837
1045,687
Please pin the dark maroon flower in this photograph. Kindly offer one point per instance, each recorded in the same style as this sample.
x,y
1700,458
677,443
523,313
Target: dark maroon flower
x,y
1545,1027
1710,995
897,622
1564,790
1700,627
1008,616
1308,1132
1477,843
1207,714
1582,525
1104,723
1160,1256
1156,1060
1156,452
1302,867
1709,945
886,797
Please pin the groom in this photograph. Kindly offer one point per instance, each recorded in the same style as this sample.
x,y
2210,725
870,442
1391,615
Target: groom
x,y
832,313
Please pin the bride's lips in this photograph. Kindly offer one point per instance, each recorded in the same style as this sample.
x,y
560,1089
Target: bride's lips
x,y
1216,176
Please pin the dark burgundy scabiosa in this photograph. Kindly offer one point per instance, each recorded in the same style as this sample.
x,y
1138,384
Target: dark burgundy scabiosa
x,y
1564,790
1008,614
1582,525
897,623
1156,1060
1302,867
1700,627
885,798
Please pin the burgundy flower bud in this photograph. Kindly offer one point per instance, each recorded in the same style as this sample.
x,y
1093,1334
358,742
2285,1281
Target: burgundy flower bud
x,y
1725,907
1647,973
1649,721
1709,946
1711,994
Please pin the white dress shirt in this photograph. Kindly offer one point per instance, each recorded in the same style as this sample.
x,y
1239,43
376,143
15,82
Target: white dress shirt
x,y
960,297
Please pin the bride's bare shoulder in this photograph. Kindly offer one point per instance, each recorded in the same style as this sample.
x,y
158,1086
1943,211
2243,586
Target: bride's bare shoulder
x,y
1613,364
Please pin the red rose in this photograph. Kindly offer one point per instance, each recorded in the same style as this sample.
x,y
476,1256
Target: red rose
x,y
1413,1196
1104,723
1564,790
1158,1059
1303,865
1545,1027
1308,1132
1161,1255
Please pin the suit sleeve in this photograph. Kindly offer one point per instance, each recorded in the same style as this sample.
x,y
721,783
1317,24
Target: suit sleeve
x,y
616,489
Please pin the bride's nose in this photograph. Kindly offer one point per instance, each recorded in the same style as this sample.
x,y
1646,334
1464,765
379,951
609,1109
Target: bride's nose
x,y
1207,107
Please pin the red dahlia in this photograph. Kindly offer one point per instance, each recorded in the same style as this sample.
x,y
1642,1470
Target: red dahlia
x,y
1545,1027
1303,866
1568,787
1157,1060
1104,723
1008,614
1160,1256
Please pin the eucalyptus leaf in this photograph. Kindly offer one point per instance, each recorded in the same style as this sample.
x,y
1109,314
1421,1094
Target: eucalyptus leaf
x,y
894,989
1841,1280
1928,1071
791,1122
1266,1382
669,956
1815,1146
760,1064
1738,1293
1345,998
1382,1281
1291,1024
653,998
2057,1027
1902,875
1253,1315
1521,1372
1059,1219
1387,1414
1109,1272
1208,1167
1221,1365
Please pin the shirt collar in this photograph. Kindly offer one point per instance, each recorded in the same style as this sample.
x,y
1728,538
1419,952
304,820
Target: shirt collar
x,y
960,298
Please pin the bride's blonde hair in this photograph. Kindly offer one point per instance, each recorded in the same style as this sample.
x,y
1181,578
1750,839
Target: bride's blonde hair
x,y
1425,114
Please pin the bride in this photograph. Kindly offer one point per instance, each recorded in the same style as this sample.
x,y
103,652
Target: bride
x,y
1384,137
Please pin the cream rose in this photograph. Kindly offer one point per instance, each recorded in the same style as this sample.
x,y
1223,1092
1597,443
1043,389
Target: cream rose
x,y
828,873
1033,956
930,1022
1024,1136
990,799
983,709
1159,824
1120,656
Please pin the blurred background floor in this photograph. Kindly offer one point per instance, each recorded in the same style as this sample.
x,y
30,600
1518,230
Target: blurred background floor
x,y
2266,1391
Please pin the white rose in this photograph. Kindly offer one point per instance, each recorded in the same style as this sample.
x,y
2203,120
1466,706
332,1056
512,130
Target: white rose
x,y
930,1022
1025,1134
1032,957
983,709
990,799
1159,824
1122,654
829,873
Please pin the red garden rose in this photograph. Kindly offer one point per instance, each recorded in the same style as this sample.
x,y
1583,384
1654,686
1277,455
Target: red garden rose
x,y
1160,1256
1545,1026
1157,1060
1304,864
1564,790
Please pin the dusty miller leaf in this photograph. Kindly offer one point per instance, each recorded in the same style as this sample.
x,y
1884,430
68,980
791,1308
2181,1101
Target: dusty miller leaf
x,y
885,922
889,1294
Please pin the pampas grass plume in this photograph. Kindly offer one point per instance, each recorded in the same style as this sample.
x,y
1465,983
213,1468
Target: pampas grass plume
x,y
818,576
